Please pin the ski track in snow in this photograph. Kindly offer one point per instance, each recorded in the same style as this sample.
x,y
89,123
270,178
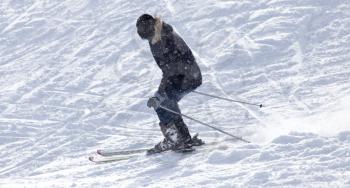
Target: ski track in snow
x,y
75,77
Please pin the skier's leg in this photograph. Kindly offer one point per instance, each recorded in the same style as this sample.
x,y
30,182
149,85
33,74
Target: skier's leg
x,y
177,95
169,118
182,127
165,116
172,125
167,125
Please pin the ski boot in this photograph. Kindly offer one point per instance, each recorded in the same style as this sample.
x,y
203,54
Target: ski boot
x,y
172,140
170,134
195,141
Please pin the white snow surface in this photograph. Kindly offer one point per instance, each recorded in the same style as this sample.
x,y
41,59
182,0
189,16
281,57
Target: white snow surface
x,y
75,77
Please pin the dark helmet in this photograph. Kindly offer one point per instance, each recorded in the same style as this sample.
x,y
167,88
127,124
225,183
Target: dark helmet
x,y
145,26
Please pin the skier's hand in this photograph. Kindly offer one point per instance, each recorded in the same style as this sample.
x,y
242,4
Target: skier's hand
x,y
153,102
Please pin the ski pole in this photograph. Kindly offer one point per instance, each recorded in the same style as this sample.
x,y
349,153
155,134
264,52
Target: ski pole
x,y
180,114
231,100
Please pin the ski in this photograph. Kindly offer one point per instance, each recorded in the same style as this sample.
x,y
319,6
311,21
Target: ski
x,y
113,152
108,156
101,160
113,155
107,153
118,152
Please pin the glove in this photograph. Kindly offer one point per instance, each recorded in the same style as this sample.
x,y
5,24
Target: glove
x,y
153,102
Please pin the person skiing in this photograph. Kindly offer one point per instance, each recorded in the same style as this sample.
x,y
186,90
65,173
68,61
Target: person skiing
x,y
181,75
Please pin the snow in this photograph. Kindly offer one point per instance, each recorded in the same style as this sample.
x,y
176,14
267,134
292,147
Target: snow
x,y
75,77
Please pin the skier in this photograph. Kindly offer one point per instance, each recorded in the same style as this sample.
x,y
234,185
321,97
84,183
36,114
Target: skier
x,y
181,75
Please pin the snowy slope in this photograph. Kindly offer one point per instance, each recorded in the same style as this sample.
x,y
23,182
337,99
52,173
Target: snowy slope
x,y
75,77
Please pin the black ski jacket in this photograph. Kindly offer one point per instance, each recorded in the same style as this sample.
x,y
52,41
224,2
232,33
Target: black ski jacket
x,y
175,59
